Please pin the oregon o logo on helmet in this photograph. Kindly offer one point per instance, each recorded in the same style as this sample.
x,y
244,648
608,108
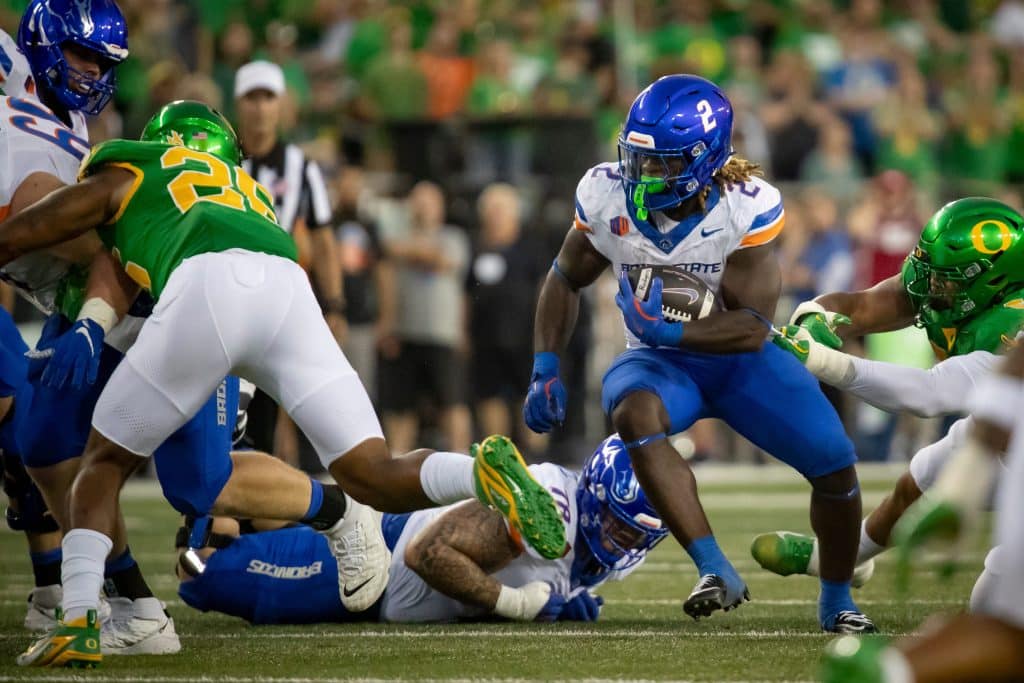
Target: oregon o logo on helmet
x,y
978,235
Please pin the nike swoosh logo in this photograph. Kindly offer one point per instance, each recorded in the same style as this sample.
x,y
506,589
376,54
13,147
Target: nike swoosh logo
x,y
84,332
704,232
349,593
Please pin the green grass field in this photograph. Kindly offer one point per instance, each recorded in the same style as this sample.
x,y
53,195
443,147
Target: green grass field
x,y
643,633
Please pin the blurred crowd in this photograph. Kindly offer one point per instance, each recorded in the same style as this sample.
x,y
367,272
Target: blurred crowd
x,y
452,134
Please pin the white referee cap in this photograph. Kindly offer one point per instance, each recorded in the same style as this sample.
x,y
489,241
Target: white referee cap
x,y
259,75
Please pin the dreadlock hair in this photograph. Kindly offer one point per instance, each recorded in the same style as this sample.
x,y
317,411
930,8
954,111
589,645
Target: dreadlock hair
x,y
736,170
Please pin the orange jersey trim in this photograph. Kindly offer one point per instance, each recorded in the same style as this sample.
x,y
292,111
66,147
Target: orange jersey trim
x,y
764,236
580,225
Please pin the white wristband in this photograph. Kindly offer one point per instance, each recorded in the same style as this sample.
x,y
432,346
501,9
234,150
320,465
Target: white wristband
x,y
997,399
100,312
522,604
806,308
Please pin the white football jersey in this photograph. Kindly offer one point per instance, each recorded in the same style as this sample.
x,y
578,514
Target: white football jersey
x,y
33,140
739,216
409,598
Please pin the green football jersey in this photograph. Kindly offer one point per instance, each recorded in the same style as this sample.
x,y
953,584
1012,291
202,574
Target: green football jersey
x,y
183,203
993,330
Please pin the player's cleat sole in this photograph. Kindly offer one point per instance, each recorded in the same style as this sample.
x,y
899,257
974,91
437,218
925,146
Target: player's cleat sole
x,y
710,595
849,622
783,552
504,483
854,660
74,644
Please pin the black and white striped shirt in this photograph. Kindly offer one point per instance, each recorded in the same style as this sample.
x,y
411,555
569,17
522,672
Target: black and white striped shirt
x,y
296,184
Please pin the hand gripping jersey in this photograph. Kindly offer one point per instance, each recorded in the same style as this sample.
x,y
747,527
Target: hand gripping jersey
x,y
409,598
34,140
993,330
745,215
183,203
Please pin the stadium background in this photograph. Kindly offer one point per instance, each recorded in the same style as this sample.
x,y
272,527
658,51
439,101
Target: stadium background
x,y
830,97
868,114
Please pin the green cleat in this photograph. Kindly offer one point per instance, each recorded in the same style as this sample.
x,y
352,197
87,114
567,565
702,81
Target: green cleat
x,y
504,483
72,644
783,552
854,659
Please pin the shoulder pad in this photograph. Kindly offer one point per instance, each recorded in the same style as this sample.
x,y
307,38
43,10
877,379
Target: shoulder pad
x,y
757,211
120,151
596,187
996,330
15,74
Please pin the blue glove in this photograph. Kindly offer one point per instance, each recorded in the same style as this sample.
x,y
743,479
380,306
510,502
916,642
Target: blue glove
x,y
581,606
552,609
76,356
644,319
546,398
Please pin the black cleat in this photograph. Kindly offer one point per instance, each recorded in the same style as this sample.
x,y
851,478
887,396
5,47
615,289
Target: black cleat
x,y
710,594
849,622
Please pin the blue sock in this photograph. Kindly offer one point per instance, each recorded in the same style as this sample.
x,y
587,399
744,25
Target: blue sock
x,y
710,559
835,597
316,500
46,566
120,563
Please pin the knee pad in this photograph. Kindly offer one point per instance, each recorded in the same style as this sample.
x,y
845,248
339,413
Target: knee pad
x,y
839,485
31,515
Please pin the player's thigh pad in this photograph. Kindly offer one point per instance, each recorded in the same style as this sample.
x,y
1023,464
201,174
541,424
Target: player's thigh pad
x,y
659,372
172,369
772,400
305,370
194,463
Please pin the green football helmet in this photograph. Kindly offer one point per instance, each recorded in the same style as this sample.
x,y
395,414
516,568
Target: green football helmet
x,y
970,255
197,126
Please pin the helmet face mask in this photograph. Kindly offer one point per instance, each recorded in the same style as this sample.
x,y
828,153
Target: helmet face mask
x,y
970,254
94,30
617,523
677,135
197,126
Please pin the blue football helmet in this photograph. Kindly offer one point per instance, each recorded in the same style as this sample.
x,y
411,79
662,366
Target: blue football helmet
x,y
677,136
617,522
96,25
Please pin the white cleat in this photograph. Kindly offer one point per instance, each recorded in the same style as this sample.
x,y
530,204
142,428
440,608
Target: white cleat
x,y
139,627
364,560
43,601
862,573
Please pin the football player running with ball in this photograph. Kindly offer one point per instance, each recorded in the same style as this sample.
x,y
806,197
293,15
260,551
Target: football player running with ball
x,y
964,284
679,197
196,231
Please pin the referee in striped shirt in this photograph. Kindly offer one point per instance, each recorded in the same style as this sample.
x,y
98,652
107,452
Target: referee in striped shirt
x,y
303,210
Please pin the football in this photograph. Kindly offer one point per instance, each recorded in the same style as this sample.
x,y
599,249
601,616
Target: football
x,y
684,295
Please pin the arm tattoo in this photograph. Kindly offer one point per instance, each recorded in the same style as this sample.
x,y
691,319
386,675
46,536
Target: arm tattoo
x,y
456,554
